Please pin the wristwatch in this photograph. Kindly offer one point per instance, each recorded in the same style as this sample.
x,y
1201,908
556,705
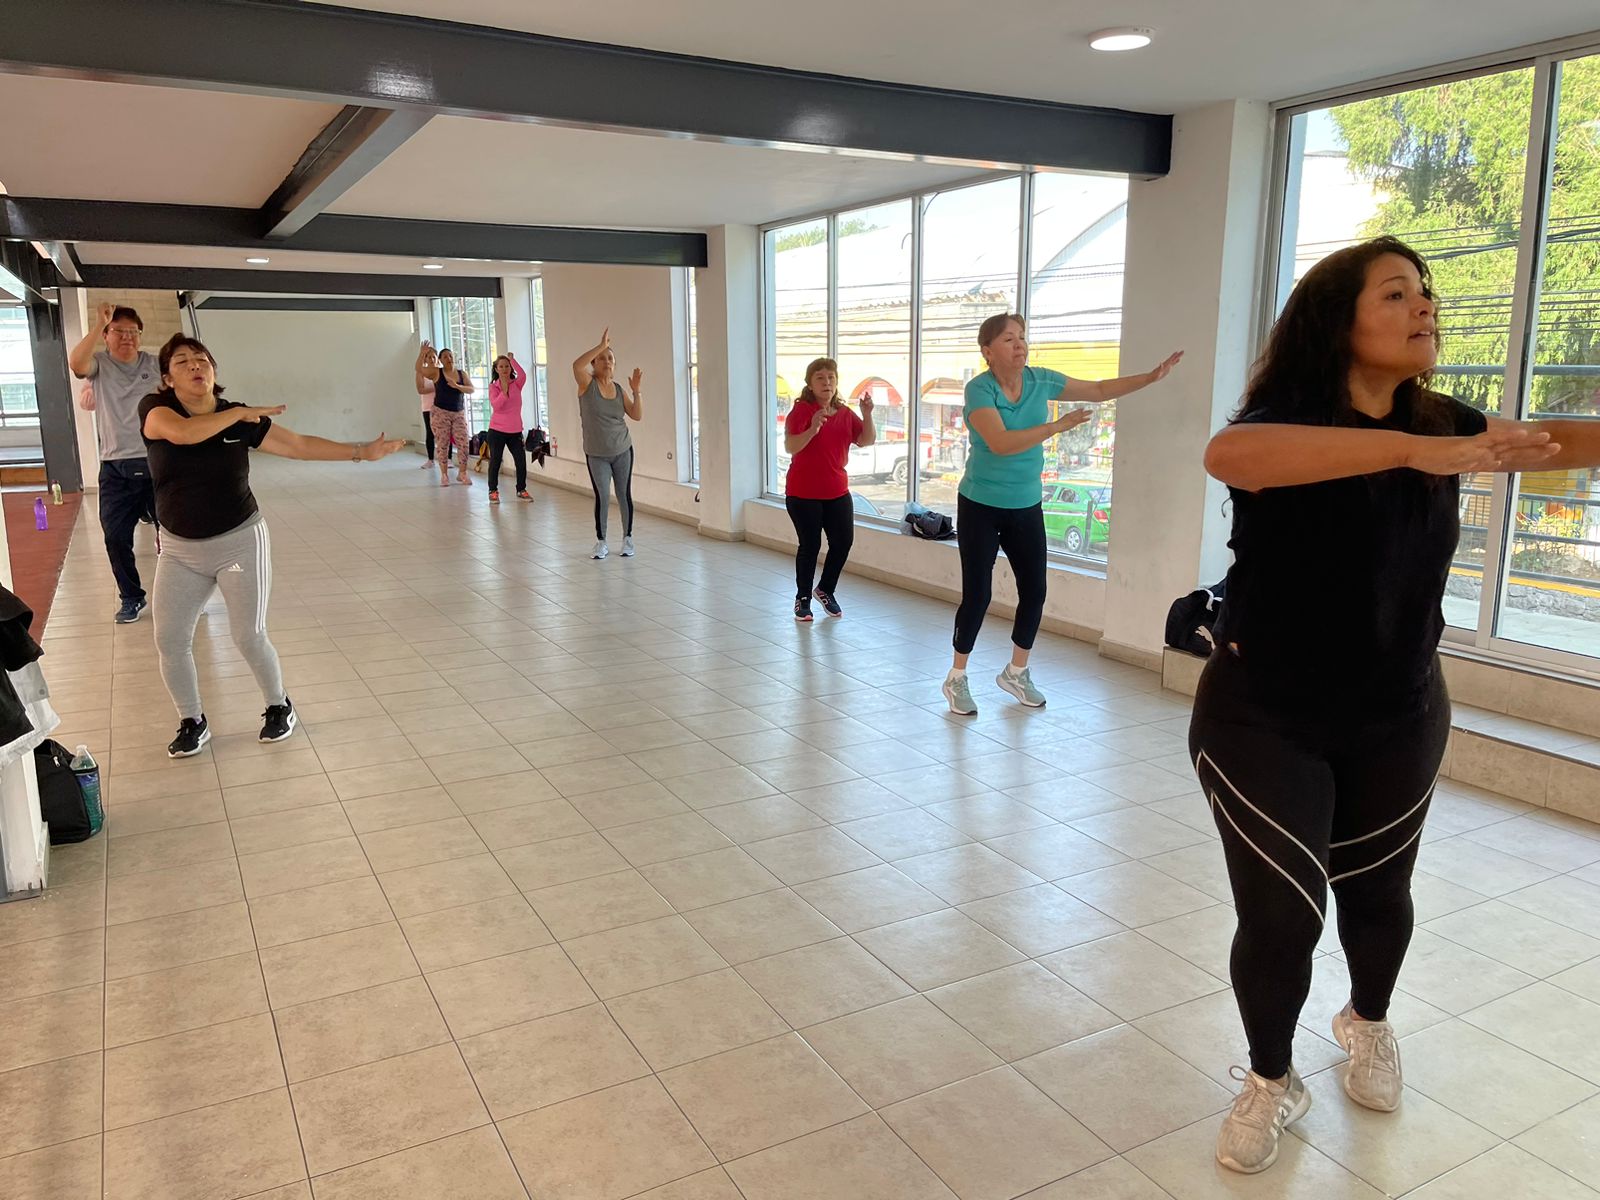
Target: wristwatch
x,y
355,452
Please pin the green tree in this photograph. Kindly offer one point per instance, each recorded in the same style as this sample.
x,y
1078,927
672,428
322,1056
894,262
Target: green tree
x,y
1450,162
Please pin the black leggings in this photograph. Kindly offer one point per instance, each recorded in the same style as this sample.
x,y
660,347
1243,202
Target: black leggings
x,y
813,518
498,444
1303,802
981,531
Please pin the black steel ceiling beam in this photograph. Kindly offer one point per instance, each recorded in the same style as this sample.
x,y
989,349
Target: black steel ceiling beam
x,y
338,158
350,56
39,219
38,275
305,304
311,283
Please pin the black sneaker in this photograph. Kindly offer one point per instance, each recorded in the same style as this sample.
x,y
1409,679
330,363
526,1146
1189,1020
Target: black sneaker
x,y
829,604
278,721
130,610
802,608
191,739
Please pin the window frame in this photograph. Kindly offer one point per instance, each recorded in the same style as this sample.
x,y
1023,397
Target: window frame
x,y
918,198
1276,276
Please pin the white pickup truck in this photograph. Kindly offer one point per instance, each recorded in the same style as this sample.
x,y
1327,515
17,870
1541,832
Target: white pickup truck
x,y
883,460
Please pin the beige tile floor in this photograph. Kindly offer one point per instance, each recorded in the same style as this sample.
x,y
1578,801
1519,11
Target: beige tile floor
x,y
604,880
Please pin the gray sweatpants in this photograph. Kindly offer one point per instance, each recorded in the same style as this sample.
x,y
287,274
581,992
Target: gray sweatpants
x,y
240,563
604,474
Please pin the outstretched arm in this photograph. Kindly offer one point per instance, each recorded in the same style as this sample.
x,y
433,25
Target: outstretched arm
x,y
1254,457
1098,391
286,443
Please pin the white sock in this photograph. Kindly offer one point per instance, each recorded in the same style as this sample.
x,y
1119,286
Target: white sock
x,y
955,674
1012,670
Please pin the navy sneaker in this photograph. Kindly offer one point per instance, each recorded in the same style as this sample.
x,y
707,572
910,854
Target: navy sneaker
x,y
278,721
802,608
191,739
829,604
130,610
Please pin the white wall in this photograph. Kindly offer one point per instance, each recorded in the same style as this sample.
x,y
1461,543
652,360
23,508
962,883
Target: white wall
x,y
1193,271
732,407
637,304
344,375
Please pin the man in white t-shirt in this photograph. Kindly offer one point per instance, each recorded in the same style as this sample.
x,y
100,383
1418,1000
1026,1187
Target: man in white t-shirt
x,y
123,375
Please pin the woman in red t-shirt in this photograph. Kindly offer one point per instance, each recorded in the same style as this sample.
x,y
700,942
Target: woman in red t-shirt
x,y
818,435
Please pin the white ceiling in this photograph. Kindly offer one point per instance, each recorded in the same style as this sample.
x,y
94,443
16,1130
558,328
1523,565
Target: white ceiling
x,y
1205,51
539,174
127,254
112,141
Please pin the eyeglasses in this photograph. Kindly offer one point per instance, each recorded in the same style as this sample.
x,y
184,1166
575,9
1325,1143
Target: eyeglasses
x,y
123,331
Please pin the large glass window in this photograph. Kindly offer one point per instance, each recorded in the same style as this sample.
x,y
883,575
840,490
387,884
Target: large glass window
x,y
898,291
1443,167
1552,597
692,307
970,246
797,322
874,349
541,363
19,404
1077,246
465,326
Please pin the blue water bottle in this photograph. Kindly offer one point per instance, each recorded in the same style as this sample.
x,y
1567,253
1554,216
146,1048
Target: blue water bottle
x,y
88,773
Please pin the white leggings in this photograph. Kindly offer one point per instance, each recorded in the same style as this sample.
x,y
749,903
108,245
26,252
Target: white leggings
x,y
189,569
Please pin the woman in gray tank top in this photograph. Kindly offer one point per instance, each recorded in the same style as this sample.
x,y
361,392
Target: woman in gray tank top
x,y
605,410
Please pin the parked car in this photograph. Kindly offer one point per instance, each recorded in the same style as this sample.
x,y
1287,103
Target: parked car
x,y
1077,516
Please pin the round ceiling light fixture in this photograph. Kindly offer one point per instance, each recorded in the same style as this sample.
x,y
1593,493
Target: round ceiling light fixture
x,y
259,262
433,266
1125,37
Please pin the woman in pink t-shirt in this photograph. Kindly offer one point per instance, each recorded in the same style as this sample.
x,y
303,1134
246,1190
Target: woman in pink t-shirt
x,y
505,424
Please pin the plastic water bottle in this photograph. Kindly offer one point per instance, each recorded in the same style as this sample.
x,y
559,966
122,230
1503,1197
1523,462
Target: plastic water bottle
x,y
41,518
88,773
55,492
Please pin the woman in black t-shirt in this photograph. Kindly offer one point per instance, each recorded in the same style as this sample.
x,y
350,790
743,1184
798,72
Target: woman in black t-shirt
x,y
213,534
1321,718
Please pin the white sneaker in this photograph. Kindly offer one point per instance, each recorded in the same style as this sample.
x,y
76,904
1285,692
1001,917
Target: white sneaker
x,y
601,550
1020,685
1372,1079
1248,1139
958,694
627,547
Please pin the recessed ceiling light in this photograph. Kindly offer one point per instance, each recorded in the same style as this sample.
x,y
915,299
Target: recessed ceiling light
x,y
433,266
260,262
1126,37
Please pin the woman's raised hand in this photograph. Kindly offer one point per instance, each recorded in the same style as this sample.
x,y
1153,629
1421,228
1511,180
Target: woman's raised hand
x,y
1165,369
635,380
1502,448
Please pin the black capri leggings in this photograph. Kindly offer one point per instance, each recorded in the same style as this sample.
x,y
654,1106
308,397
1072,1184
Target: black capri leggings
x,y
499,443
983,530
1304,801
813,518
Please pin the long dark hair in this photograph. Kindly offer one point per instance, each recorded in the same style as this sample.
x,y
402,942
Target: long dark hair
x,y
182,341
1303,375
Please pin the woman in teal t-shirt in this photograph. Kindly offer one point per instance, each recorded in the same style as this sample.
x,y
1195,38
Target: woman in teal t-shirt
x,y
1000,506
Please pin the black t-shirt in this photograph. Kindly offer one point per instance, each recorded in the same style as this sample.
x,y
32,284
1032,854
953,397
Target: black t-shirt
x,y
202,490
1334,598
